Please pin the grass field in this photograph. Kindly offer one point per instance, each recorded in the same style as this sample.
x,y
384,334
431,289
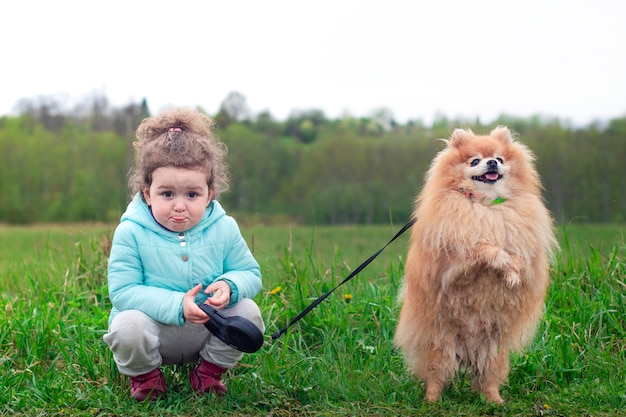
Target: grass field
x,y
338,360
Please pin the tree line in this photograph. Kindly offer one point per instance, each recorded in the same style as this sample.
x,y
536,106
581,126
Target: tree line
x,y
65,165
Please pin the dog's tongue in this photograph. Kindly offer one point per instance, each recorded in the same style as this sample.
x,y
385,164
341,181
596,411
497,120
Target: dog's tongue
x,y
491,176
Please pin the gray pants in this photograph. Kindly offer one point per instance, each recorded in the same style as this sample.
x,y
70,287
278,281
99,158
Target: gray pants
x,y
141,344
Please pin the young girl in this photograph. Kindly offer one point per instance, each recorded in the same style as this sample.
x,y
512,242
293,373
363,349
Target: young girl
x,y
175,248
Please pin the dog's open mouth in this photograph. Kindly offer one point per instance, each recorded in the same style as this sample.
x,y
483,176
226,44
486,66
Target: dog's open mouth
x,y
488,177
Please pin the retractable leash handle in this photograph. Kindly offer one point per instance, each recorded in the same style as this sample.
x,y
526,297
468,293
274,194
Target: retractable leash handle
x,y
317,301
237,332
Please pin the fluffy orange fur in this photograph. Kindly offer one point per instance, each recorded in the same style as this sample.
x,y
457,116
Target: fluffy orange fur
x,y
477,268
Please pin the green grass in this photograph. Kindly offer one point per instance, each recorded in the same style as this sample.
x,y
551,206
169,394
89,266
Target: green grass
x,y
338,360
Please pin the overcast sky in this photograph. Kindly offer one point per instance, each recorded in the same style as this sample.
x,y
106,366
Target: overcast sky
x,y
479,58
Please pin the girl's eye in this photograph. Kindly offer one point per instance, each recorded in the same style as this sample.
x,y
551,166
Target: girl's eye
x,y
192,194
475,162
500,160
168,194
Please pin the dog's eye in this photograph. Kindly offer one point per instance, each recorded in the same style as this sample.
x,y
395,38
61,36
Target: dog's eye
x,y
475,162
500,160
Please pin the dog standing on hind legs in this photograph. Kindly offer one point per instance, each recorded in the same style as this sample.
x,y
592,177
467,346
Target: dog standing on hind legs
x,y
477,268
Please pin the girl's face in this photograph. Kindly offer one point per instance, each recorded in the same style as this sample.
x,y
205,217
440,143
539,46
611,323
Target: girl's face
x,y
178,197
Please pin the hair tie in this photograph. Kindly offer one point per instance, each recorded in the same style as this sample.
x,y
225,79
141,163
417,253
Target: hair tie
x,y
175,129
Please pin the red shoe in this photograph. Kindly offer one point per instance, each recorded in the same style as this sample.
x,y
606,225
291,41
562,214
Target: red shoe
x,y
150,385
207,377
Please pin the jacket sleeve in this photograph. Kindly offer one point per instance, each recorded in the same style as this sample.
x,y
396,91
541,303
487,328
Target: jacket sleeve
x,y
241,270
126,282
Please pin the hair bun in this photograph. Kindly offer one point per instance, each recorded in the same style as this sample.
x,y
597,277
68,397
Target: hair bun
x,y
177,121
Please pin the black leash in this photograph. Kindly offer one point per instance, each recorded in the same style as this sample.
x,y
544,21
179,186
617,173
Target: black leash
x,y
314,304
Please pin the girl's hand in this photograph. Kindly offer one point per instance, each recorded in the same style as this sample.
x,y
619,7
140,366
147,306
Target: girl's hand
x,y
221,294
191,312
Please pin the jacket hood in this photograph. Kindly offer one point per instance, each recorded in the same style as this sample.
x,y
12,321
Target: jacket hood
x,y
139,212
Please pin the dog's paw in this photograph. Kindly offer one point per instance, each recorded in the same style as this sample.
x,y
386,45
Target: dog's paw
x,y
512,279
502,261
512,276
519,263
433,392
493,396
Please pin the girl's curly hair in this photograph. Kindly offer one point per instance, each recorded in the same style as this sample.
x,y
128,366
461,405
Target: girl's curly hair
x,y
179,138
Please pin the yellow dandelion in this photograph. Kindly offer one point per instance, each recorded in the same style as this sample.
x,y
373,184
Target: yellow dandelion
x,y
546,406
276,290
347,298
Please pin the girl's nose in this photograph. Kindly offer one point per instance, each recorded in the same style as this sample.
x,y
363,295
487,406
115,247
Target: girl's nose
x,y
179,206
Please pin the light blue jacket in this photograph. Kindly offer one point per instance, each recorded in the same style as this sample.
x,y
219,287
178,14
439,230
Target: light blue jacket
x,y
151,268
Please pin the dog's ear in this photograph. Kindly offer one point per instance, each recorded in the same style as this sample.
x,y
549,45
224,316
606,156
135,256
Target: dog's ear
x,y
459,137
503,134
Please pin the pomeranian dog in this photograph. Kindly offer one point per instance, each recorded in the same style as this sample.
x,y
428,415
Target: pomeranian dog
x,y
477,268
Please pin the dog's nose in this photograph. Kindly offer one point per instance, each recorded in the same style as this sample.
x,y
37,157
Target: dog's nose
x,y
492,163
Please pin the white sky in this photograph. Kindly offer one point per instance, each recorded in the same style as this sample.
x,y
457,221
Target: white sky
x,y
562,58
